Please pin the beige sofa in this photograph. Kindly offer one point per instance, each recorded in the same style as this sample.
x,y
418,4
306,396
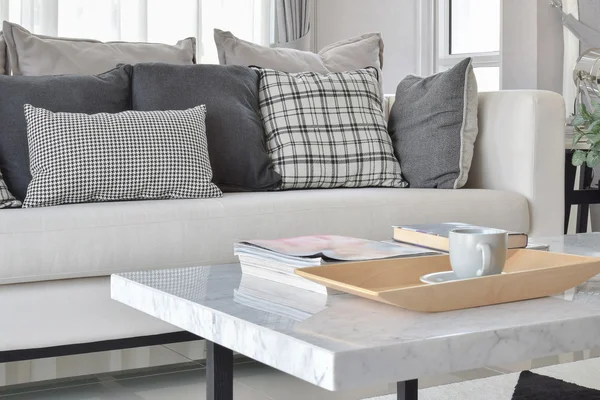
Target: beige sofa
x,y
55,262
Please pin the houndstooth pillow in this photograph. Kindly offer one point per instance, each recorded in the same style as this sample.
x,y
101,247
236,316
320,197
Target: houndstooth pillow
x,y
326,131
131,155
7,200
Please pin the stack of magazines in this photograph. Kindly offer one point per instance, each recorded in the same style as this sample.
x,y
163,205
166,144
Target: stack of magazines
x,y
276,260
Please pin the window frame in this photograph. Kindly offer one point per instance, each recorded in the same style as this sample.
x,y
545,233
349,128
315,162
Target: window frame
x,y
443,59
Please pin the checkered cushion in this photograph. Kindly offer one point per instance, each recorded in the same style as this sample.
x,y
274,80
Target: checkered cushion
x,y
7,200
326,131
132,155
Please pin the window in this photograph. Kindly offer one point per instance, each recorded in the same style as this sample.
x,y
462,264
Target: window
x,y
470,28
145,20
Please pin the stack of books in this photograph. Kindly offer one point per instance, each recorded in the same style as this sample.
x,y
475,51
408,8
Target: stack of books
x,y
435,236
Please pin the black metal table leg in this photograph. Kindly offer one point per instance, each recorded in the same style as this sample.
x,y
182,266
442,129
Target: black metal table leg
x,y
570,172
583,212
219,372
408,390
585,182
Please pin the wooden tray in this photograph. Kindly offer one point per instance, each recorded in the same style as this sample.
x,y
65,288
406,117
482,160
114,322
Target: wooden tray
x,y
528,274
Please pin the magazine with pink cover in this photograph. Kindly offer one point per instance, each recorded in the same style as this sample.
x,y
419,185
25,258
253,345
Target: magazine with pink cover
x,y
338,248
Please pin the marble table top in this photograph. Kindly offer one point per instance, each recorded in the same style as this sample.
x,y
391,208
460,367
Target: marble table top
x,y
342,341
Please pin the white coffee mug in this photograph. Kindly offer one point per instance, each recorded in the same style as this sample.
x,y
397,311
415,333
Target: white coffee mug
x,y
477,252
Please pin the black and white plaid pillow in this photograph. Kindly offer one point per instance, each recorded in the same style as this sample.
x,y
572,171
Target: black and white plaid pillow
x,y
132,155
326,131
7,200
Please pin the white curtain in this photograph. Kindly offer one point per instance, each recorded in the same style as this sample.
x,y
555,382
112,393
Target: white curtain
x,y
571,54
293,23
159,21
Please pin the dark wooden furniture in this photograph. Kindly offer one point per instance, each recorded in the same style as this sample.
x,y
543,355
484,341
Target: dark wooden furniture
x,y
582,197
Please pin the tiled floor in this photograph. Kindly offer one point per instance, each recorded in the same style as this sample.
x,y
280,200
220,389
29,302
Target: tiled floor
x,y
177,371
23,372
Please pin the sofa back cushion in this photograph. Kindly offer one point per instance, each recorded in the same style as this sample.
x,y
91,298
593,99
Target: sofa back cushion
x,y
108,92
32,55
236,141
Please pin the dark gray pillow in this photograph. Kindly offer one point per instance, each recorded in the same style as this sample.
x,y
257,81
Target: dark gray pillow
x,y
433,125
236,141
108,92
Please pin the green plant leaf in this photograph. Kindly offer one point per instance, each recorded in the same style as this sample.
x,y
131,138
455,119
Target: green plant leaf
x,y
578,158
577,137
578,121
584,113
592,159
593,138
596,108
594,127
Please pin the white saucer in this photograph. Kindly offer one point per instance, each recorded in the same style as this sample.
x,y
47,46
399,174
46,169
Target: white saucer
x,y
444,276
440,277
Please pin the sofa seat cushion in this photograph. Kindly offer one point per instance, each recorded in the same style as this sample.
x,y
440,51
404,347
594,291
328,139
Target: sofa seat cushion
x,y
69,311
96,239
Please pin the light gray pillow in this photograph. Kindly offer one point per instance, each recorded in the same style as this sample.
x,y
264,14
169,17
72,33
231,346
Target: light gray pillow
x,y
433,125
346,55
3,58
35,55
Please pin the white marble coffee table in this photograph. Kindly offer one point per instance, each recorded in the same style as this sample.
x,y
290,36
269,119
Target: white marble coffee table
x,y
348,342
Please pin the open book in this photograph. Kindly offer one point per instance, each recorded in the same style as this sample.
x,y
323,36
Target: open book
x,y
277,259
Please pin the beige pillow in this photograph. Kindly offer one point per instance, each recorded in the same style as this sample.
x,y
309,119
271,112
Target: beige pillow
x,y
346,55
33,55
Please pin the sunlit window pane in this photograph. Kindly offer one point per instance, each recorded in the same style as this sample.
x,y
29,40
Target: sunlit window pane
x,y
159,21
474,26
88,19
170,21
241,17
488,78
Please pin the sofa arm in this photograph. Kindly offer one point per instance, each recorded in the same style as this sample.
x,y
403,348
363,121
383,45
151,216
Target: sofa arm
x,y
521,148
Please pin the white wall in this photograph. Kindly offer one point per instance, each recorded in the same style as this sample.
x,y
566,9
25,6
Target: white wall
x,y
532,46
532,41
397,20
